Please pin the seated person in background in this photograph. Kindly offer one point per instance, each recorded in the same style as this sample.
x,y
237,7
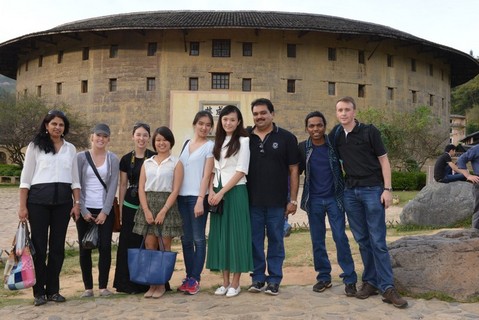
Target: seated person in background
x,y
444,167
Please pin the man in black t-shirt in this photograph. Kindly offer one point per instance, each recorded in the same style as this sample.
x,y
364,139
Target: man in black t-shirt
x,y
444,167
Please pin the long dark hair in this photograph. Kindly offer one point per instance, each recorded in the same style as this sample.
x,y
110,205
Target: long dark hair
x,y
240,131
42,139
201,114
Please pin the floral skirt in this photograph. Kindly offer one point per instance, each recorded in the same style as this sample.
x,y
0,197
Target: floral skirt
x,y
172,225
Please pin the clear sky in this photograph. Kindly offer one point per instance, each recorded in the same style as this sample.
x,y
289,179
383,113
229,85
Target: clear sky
x,y
447,22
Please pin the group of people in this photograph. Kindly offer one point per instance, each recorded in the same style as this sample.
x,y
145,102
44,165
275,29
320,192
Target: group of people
x,y
250,176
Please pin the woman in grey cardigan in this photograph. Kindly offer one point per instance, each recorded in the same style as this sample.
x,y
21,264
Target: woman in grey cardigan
x,y
98,170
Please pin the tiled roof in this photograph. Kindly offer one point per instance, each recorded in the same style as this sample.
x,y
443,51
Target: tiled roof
x,y
463,66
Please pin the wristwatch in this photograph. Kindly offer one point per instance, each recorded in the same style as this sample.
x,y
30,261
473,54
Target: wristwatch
x,y
77,202
388,189
294,202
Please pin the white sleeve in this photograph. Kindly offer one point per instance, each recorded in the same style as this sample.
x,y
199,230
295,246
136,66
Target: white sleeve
x,y
28,167
243,156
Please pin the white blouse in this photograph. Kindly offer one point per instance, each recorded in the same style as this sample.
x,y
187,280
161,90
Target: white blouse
x,y
40,167
227,167
159,177
194,166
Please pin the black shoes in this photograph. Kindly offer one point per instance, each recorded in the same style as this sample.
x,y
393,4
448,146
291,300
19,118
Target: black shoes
x,y
39,300
366,290
350,290
393,297
320,286
56,298
256,287
272,289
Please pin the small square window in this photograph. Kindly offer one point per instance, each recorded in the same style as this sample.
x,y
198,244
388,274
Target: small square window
x,y
194,48
114,51
390,93
40,61
414,96
246,84
413,65
86,53
431,100
361,57
332,88
332,54
152,47
361,91
150,84
220,81
291,86
60,57
431,70
247,49
84,86
390,61
59,88
39,91
112,84
26,65
291,50
193,84
221,48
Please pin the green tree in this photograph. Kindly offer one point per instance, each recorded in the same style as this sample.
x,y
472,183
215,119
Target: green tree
x,y
20,120
411,137
465,96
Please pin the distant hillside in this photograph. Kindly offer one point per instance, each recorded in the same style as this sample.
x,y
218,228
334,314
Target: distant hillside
x,y
7,84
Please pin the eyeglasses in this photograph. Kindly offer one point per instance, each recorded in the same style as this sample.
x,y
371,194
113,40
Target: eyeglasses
x,y
261,148
56,113
141,124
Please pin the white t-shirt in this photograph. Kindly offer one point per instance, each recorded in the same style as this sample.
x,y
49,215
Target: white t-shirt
x,y
194,164
93,187
159,178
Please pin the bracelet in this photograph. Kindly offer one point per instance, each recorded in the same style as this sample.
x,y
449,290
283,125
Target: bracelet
x,y
166,206
201,197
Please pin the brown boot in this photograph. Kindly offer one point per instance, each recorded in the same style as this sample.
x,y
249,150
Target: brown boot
x,y
366,290
392,296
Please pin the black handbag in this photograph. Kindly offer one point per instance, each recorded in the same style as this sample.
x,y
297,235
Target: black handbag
x,y
218,209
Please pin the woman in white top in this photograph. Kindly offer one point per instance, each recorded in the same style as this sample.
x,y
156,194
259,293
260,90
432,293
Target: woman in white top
x,y
49,178
158,216
229,241
97,194
197,159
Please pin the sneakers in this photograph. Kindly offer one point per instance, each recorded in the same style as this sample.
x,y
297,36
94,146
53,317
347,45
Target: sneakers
x,y
56,298
320,286
232,292
366,290
192,287
87,294
392,296
256,287
350,289
39,300
272,289
221,291
105,293
184,284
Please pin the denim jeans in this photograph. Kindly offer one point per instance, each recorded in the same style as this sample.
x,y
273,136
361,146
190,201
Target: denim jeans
x,y
366,216
267,221
317,228
453,177
194,239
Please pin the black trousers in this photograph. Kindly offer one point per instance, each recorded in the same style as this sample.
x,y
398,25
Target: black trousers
x,y
49,225
104,249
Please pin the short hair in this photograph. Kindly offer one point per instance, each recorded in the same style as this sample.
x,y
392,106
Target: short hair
x,y
166,133
347,99
262,102
450,147
312,115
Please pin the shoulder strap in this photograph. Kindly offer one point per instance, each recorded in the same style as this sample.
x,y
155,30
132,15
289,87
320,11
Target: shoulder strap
x,y
92,165
184,146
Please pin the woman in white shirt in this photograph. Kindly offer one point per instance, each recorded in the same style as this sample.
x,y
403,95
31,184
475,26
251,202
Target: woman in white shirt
x,y
229,241
158,216
197,159
97,194
49,178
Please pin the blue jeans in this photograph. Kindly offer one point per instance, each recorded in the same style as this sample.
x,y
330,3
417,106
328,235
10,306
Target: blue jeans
x,y
267,221
453,177
194,239
317,228
366,216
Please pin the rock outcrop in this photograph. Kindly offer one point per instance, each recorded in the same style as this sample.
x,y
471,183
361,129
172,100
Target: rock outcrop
x,y
445,262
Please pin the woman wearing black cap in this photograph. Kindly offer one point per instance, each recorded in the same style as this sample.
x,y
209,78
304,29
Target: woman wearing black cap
x,y
98,169
130,166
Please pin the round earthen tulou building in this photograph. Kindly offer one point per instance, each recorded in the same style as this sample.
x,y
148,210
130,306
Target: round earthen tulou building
x,y
162,67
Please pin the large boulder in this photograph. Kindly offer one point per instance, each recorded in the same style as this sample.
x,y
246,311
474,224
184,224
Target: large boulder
x,y
440,205
445,262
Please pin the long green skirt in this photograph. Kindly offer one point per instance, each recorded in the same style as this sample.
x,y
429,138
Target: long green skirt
x,y
229,240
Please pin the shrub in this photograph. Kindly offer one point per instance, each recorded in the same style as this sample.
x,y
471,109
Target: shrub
x,y
408,180
10,170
